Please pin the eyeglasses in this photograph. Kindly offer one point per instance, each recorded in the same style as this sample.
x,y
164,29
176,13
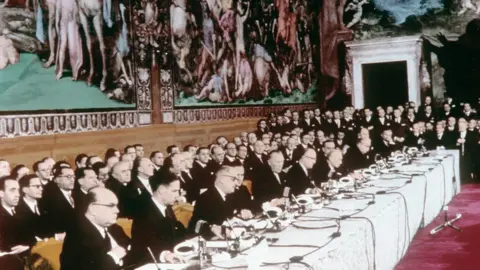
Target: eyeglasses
x,y
234,178
36,186
110,205
68,176
312,158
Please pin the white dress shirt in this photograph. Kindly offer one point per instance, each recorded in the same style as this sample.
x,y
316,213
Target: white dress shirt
x,y
146,184
10,210
161,207
32,204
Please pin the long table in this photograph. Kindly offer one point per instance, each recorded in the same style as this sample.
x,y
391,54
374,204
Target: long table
x,y
372,235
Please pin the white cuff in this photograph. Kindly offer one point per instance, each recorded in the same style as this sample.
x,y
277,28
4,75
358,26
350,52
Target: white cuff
x,y
117,260
308,191
163,255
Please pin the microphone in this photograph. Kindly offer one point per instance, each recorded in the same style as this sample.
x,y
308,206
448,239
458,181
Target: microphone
x,y
153,258
286,196
199,225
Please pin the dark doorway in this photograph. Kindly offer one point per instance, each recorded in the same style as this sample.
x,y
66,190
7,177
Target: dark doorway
x,y
385,84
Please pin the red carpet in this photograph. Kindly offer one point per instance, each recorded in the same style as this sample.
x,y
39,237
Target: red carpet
x,y
449,249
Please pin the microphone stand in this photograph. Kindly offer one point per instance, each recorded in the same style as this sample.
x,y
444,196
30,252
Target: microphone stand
x,y
448,223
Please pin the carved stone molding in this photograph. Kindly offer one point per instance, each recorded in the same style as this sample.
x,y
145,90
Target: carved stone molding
x,y
48,124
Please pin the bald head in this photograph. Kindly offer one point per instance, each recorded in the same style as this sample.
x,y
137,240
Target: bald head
x,y
335,158
121,172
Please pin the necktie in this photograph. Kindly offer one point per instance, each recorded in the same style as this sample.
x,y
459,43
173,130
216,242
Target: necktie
x,y
107,241
169,212
13,211
70,200
35,208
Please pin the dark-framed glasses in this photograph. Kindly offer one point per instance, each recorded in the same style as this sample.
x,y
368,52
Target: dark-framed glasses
x,y
109,205
36,186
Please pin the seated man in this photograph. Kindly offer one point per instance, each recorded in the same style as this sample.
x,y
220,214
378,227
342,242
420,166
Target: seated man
x,y
270,184
13,239
212,207
158,228
332,169
359,157
241,198
299,178
94,241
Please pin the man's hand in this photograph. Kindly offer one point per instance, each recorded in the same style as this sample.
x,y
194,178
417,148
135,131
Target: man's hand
x,y
119,252
460,141
217,231
171,257
19,249
246,214
60,236
356,176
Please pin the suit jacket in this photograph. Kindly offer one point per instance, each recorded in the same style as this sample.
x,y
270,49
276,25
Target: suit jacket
x,y
412,141
354,159
139,196
234,162
80,200
13,231
200,175
322,173
432,141
190,186
124,196
242,199
299,151
288,159
383,149
253,165
399,129
154,230
298,180
84,247
35,224
222,209
60,212
266,187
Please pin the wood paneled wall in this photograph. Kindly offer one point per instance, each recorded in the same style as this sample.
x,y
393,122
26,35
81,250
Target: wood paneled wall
x,y
27,150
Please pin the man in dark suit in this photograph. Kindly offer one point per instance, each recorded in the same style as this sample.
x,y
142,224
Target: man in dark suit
x,y
140,186
288,153
270,184
157,159
439,138
359,156
30,211
87,179
414,138
231,156
13,238
206,220
466,142
242,202
255,161
304,144
331,169
157,227
117,183
298,177
58,201
385,145
199,171
95,241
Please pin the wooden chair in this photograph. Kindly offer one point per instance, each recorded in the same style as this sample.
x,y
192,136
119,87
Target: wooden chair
x,y
46,255
126,225
183,212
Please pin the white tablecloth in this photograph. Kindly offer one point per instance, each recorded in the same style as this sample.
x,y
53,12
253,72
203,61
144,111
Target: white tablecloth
x,y
377,237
